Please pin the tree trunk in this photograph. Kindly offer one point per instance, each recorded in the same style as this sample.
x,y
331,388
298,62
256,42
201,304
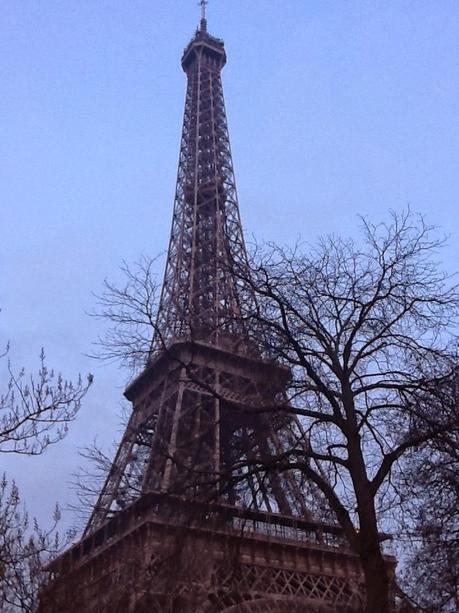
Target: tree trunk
x,y
377,581
376,571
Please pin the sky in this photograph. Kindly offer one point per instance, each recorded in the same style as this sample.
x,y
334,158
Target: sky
x,y
336,109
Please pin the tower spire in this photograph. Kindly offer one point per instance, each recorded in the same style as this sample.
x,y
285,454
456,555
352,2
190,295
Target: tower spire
x,y
203,4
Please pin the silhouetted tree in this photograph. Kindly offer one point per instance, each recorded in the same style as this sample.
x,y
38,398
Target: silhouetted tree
x,y
35,411
430,482
130,312
367,330
24,548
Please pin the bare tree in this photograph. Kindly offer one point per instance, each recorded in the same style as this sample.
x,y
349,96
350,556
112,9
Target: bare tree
x,y
35,409
130,311
90,477
367,330
24,549
431,483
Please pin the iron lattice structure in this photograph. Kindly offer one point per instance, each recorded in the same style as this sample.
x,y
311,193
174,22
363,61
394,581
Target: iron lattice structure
x,y
200,298
191,430
184,522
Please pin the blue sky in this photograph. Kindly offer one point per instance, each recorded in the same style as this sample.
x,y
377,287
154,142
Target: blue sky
x,y
336,108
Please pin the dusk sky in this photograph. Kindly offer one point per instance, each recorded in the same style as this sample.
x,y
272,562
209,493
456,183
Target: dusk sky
x,y
336,109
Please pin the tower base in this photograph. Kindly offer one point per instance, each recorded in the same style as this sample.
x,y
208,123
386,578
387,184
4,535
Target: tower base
x,y
165,554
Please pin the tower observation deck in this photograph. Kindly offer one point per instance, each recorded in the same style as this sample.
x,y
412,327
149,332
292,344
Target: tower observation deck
x,y
187,520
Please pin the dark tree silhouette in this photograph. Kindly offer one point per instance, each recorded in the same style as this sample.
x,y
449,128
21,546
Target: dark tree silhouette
x,y
367,330
24,548
130,312
430,482
35,411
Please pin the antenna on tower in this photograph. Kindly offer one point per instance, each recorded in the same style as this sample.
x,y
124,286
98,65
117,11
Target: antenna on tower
x,y
203,4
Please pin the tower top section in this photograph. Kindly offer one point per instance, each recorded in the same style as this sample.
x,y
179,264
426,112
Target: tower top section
x,y
202,297
203,45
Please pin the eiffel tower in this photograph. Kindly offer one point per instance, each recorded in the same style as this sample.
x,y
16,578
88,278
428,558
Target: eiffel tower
x,y
184,522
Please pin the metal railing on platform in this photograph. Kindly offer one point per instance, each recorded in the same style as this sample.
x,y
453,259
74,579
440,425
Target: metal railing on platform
x,y
173,512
